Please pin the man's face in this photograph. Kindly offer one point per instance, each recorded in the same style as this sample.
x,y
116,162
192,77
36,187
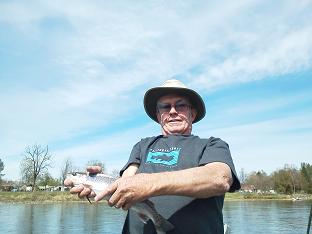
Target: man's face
x,y
175,115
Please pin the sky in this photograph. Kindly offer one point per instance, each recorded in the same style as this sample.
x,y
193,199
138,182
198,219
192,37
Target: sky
x,y
73,75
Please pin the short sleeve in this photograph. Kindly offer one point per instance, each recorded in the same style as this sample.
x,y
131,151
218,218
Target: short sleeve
x,y
134,157
218,151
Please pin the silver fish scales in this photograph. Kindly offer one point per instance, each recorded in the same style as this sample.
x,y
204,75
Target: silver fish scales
x,y
145,209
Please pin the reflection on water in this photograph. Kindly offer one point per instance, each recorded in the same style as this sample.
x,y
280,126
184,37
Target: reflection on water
x,y
60,218
242,217
267,216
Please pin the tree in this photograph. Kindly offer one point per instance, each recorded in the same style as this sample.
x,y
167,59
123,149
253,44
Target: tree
x,y
287,180
242,176
68,166
47,180
1,168
260,180
306,177
36,162
294,175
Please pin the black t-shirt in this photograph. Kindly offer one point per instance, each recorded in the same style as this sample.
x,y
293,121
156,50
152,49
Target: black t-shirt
x,y
178,152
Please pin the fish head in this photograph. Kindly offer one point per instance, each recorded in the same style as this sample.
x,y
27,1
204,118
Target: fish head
x,y
77,177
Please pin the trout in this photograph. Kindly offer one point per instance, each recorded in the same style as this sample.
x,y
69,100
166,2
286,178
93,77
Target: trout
x,y
145,209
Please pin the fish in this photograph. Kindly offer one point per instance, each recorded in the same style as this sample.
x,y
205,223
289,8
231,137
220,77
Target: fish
x,y
145,209
163,157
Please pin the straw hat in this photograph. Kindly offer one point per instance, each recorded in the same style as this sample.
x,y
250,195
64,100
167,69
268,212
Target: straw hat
x,y
173,87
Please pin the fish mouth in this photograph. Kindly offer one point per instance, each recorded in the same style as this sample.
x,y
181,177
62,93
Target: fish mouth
x,y
75,173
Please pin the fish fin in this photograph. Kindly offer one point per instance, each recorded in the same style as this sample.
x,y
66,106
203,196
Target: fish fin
x,y
89,200
143,218
160,232
149,203
162,225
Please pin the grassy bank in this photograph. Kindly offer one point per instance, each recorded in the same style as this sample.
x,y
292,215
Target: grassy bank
x,y
37,197
255,196
40,197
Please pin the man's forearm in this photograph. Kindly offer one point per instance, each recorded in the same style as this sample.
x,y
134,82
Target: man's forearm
x,y
201,182
131,170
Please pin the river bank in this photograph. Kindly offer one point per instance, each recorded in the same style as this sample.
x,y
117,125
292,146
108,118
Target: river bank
x,y
37,197
46,197
266,196
245,216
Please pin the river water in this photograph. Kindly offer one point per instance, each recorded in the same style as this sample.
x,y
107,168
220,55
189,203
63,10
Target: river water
x,y
73,218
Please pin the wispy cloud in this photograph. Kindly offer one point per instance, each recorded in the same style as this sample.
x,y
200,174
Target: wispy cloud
x,y
267,144
77,66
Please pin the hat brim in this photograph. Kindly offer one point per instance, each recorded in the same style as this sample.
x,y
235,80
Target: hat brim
x,y
152,95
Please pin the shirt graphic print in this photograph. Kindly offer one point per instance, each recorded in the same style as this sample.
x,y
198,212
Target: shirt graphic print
x,y
162,156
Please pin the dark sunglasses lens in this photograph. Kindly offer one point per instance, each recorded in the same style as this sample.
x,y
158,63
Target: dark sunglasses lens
x,y
181,107
164,107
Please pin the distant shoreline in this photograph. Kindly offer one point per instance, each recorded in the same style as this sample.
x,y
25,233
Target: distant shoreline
x,y
58,197
255,196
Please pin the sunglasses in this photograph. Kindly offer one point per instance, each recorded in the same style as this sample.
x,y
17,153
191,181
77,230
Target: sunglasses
x,y
178,106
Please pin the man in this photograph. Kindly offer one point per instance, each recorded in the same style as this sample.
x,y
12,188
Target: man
x,y
185,176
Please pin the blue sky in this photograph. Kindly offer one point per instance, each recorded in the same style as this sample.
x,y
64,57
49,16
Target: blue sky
x,y
73,75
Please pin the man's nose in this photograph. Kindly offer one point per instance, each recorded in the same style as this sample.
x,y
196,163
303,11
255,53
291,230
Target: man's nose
x,y
172,110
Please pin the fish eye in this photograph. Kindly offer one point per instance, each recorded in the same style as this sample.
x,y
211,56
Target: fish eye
x,y
92,174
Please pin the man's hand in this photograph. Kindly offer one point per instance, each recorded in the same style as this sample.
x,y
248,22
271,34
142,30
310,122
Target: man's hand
x,y
211,180
127,191
81,190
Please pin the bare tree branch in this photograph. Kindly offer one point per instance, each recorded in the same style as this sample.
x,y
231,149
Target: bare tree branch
x,y
36,161
66,169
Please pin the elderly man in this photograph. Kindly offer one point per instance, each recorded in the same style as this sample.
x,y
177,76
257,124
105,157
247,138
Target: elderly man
x,y
185,176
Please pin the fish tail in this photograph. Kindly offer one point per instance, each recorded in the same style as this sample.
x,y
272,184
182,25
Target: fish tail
x,y
163,225
160,231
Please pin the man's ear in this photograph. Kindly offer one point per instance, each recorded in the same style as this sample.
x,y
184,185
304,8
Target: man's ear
x,y
158,116
193,114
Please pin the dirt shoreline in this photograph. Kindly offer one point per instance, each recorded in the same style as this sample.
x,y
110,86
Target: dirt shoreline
x,y
59,197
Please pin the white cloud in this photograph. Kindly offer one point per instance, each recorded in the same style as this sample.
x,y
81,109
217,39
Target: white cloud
x,y
267,144
113,150
260,106
283,54
109,53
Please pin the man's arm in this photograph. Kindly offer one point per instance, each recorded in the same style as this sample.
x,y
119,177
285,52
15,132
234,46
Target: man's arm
x,y
131,170
201,182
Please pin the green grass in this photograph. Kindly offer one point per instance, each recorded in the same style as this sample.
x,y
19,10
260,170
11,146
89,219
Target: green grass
x,y
255,196
42,196
37,196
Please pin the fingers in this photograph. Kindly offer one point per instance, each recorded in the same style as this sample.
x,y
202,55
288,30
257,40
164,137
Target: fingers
x,y
120,202
94,169
77,189
110,190
127,206
124,192
115,200
118,199
68,183
82,191
101,195
92,194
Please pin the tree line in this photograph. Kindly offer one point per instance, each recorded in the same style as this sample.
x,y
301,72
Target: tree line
x,y
37,161
288,180
35,165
